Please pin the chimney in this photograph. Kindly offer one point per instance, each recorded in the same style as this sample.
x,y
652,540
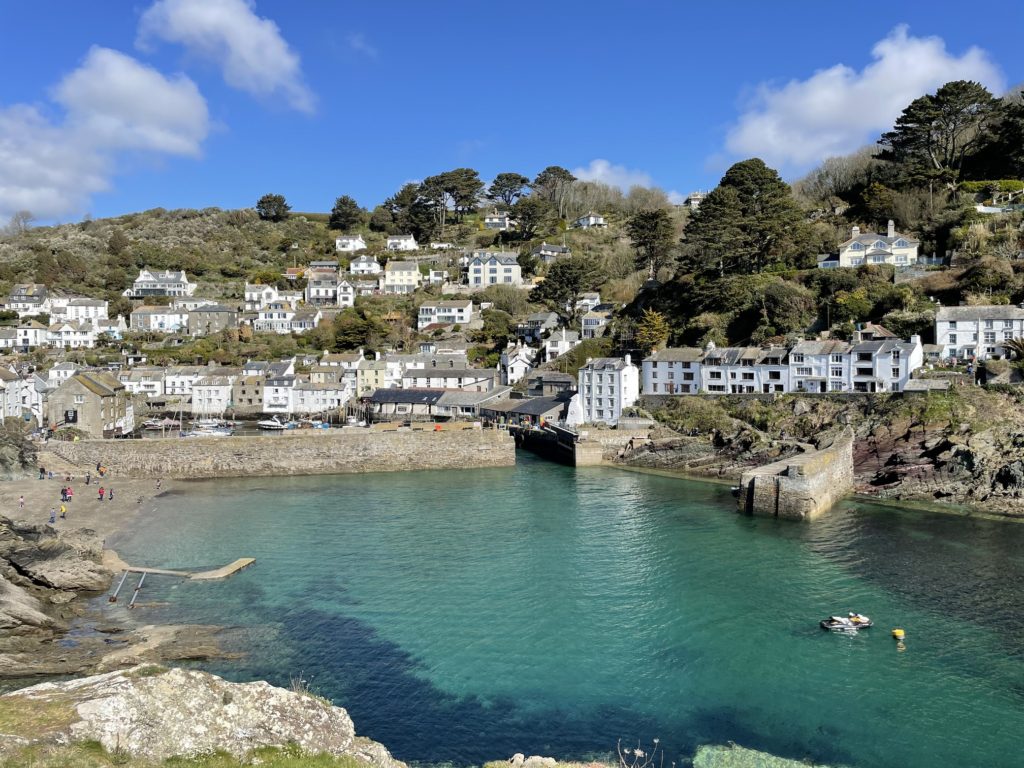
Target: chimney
x,y
892,228
915,340
627,359
855,232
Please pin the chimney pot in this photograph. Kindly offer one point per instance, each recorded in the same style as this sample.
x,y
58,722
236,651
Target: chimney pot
x,y
855,231
892,228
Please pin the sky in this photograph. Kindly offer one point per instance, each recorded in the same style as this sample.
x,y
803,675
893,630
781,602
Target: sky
x,y
114,107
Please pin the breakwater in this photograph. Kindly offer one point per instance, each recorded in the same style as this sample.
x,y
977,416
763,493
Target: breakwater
x,y
800,487
311,452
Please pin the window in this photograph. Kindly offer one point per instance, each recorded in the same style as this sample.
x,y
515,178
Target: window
x,y
804,371
952,338
654,374
863,371
952,325
895,373
988,323
856,247
837,358
687,377
671,374
864,357
797,358
748,376
895,354
714,374
1007,323
79,399
990,337
837,373
775,375
1007,335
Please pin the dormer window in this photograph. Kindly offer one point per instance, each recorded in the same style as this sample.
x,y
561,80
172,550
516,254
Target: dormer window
x,y
856,247
879,245
900,244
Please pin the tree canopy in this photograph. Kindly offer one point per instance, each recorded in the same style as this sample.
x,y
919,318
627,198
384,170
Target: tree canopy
x,y
272,208
532,214
345,214
566,280
653,238
507,188
748,222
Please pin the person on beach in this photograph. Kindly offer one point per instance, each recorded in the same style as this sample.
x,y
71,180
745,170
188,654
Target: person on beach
x,y
50,474
97,466
21,502
42,472
63,512
88,478
64,493
71,493
102,491
53,515
158,484
110,494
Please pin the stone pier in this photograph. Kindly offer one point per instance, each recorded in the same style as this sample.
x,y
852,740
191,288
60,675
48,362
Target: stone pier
x,y
800,487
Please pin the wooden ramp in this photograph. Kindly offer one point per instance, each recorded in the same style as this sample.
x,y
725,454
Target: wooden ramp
x,y
227,570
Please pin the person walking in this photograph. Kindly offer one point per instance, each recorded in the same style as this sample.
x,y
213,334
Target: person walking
x,y
110,494
88,478
64,493
63,512
21,502
53,515
102,491
71,493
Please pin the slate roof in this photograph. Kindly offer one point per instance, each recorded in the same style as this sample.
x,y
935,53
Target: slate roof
x,y
412,396
980,312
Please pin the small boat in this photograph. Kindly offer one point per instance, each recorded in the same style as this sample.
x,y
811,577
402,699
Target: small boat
x,y
159,424
271,424
210,432
849,623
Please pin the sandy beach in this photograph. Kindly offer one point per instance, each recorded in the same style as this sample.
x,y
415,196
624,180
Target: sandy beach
x,y
132,497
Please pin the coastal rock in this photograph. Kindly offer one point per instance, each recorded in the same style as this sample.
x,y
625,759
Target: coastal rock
x,y
18,607
733,756
154,714
60,567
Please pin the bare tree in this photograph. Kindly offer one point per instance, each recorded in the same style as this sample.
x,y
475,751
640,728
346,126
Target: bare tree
x,y
20,222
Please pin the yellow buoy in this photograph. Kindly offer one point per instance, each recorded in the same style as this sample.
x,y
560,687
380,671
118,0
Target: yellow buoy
x,y
899,634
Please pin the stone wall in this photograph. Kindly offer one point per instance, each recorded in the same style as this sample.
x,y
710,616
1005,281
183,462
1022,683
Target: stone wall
x,y
306,452
801,487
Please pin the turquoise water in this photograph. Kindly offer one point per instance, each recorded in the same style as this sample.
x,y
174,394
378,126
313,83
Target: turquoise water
x,y
464,616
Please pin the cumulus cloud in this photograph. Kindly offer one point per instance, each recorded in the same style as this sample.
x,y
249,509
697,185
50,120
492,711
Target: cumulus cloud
x,y
112,104
837,110
613,175
358,43
252,54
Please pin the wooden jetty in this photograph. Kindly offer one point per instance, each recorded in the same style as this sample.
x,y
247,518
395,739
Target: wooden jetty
x,y
216,573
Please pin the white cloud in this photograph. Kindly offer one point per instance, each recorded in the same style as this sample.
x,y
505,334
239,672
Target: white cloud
x,y
837,110
613,175
112,104
358,43
249,49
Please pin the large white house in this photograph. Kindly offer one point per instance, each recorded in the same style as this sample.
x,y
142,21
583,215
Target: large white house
x,y
589,221
499,220
364,265
494,268
979,331
166,283
869,248
321,287
402,243
349,243
159,319
28,299
275,317
400,277
444,313
257,296
516,362
80,309
607,385
673,371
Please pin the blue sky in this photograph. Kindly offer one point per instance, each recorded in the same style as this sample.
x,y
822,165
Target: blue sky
x,y
109,108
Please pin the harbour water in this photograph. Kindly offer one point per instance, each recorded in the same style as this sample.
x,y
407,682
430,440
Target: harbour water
x,y
465,616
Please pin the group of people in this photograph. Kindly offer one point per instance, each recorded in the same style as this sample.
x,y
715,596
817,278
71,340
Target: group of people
x,y
67,493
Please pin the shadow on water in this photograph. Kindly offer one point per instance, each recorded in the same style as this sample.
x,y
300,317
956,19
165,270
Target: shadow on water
x,y
392,702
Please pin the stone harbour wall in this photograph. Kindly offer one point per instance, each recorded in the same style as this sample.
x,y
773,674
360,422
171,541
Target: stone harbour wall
x,y
306,452
801,487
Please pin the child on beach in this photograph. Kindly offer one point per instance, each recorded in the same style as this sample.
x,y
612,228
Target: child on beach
x,y
102,491
21,502
110,494
53,515
63,512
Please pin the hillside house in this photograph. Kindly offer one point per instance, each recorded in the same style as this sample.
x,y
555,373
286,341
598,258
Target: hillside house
x,y
93,402
166,283
536,325
402,243
211,318
868,248
258,296
28,299
275,317
321,287
594,324
547,253
560,342
349,243
158,319
516,362
498,220
78,309
400,277
977,332
493,268
444,313
590,220
364,265
68,335
673,371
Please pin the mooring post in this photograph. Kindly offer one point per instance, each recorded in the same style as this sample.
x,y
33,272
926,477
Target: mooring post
x,y
137,588
113,597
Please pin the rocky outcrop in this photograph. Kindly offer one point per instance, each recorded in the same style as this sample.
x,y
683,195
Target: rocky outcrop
x,y
733,756
153,713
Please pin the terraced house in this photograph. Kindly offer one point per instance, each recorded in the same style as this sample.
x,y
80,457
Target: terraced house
x,y
977,332
92,402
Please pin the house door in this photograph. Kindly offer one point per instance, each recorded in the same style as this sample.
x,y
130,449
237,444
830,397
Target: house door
x,y
822,387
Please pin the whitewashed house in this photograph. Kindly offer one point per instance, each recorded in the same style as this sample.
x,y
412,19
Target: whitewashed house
x,y
78,309
516,362
493,268
402,243
305,319
346,293
178,380
498,220
29,299
159,319
606,385
820,366
312,399
61,372
275,317
364,265
169,282
31,335
147,381
349,243
560,342
547,253
321,287
258,296
444,313
978,331
10,394
69,335
672,371
594,323
869,248
400,277
442,377
885,366
589,221
8,338
211,394
278,392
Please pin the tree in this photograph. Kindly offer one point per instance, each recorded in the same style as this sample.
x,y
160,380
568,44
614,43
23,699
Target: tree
x,y
531,214
651,331
411,212
272,208
553,184
937,132
345,214
458,189
19,223
117,242
566,280
748,222
879,204
382,220
507,188
653,237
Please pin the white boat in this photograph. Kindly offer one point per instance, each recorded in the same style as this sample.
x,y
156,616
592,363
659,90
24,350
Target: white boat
x,y
271,424
210,432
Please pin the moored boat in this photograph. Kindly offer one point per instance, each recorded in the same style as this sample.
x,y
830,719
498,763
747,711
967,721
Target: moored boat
x,y
849,623
271,424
